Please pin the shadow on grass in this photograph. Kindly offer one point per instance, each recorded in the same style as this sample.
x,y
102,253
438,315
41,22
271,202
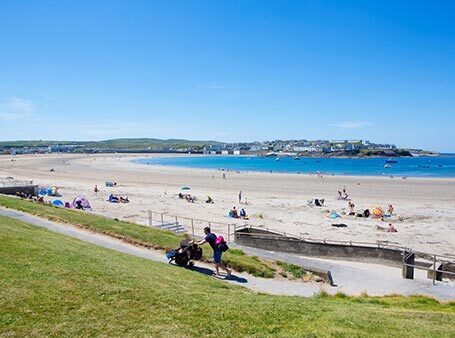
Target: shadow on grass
x,y
209,272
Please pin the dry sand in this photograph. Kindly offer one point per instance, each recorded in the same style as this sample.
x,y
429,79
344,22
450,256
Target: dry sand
x,y
425,208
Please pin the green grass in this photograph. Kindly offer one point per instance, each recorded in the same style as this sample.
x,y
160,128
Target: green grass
x,y
136,234
124,143
56,286
295,270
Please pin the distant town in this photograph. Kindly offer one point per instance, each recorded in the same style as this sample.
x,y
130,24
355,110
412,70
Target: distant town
x,y
304,148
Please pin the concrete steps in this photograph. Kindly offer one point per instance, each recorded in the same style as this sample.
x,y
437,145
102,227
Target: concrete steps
x,y
174,226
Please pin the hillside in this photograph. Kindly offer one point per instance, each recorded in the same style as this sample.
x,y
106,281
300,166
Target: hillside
x,y
122,143
53,285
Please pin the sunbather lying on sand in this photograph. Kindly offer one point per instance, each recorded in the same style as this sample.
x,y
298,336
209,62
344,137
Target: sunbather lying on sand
x,y
391,228
118,199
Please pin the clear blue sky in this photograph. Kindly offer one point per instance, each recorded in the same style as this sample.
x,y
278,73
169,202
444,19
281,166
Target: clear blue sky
x,y
229,70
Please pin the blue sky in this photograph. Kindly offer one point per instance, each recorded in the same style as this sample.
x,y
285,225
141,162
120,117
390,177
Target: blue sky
x,y
229,70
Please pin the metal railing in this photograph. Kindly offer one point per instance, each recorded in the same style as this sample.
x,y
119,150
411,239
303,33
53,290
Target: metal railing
x,y
436,260
195,227
274,233
430,259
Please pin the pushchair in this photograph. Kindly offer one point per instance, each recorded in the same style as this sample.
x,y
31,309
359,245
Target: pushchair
x,y
185,254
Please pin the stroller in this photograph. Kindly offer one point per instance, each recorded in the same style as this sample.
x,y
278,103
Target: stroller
x,y
185,254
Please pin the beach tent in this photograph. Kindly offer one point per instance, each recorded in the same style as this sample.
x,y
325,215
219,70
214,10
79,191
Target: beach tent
x,y
49,191
376,212
84,202
58,203
185,188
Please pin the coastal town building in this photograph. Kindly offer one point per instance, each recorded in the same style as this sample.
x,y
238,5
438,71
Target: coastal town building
x,y
283,147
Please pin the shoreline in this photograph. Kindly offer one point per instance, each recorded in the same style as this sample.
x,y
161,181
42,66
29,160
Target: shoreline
x,y
311,173
131,157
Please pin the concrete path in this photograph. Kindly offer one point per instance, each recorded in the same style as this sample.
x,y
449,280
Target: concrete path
x,y
351,278
280,287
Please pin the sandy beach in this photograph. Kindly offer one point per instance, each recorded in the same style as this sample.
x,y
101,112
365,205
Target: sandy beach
x,y
424,207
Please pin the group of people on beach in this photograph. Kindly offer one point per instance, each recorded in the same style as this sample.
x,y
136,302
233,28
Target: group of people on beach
x,y
343,195
234,213
380,214
373,212
188,197
118,199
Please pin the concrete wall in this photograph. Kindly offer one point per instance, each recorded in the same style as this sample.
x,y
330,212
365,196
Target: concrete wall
x,y
263,239
28,189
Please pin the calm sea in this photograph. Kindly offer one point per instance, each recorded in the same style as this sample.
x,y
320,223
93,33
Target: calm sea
x,y
441,166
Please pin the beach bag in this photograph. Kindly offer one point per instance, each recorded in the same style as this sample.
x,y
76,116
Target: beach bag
x,y
221,244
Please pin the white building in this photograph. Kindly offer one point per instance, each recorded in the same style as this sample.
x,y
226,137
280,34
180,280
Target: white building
x,y
311,149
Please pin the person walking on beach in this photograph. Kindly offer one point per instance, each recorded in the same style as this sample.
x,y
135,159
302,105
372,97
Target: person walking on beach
x,y
240,196
210,238
96,190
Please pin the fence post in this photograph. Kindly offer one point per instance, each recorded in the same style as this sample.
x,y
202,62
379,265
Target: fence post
x,y
150,218
162,220
229,232
434,269
192,226
408,265
176,222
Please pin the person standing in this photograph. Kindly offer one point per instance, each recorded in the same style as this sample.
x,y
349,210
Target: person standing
x,y
96,190
240,196
351,206
210,238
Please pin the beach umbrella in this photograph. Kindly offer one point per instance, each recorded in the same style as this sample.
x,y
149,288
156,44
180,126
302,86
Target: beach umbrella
x,y
376,212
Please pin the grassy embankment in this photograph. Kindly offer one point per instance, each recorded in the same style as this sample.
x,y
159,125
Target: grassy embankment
x,y
141,235
53,285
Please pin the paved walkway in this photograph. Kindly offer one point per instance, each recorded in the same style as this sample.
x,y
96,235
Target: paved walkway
x,y
280,287
353,278
350,277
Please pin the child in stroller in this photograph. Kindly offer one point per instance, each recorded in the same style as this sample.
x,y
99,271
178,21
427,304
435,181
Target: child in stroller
x,y
185,254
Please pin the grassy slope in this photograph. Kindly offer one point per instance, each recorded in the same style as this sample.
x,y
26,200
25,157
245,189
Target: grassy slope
x,y
53,285
128,143
134,233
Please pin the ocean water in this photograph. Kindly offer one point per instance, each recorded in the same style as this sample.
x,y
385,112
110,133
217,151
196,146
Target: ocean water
x,y
441,166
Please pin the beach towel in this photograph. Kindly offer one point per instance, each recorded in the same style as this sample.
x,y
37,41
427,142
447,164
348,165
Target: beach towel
x,y
334,214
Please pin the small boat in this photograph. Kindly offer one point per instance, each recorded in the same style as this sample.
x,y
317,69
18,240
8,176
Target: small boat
x,y
390,160
387,166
